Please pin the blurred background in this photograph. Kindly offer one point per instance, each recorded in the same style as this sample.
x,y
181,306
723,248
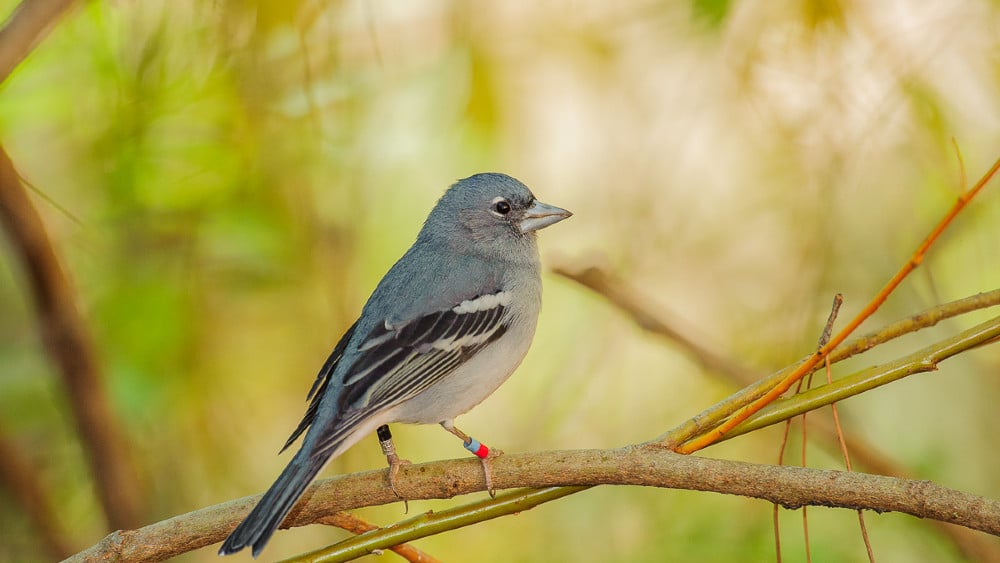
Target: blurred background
x,y
227,181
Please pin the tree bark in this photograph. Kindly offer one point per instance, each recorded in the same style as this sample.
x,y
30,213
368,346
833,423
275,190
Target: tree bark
x,y
791,487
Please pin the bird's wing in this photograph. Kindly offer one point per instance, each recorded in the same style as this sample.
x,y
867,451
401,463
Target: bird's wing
x,y
397,361
319,386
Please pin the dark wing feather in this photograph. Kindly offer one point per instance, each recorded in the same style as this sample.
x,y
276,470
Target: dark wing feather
x,y
319,386
399,362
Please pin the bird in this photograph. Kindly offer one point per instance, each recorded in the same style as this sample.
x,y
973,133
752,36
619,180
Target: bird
x,y
444,328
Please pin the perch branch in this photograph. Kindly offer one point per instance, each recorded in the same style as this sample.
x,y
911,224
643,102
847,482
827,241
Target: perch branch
x,y
653,466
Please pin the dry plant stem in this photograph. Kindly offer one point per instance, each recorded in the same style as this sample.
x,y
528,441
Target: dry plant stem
x,y
925,319
777,534
67,340
864,535
802,462
746,410
838,300
805,533
824,338
355,525
781,461
21,479
653,466
26,26
961,163
847,462
776,507
856,383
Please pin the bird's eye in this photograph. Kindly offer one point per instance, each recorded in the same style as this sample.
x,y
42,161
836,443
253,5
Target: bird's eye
x,y
501,206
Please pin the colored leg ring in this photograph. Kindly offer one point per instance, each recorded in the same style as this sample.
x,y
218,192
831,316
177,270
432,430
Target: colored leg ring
x,y
477,449
385,441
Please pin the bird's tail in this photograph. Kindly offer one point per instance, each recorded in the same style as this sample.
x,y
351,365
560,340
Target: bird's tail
x,y
256,529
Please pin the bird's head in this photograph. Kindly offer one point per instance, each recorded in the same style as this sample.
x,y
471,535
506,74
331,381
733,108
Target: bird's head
x,y
490,213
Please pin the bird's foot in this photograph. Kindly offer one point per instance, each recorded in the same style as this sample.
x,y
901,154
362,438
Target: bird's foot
x,y
395,462
487,462
478,449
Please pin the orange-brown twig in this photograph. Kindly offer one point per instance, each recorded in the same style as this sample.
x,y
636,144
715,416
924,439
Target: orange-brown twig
x,y
357,526
741,414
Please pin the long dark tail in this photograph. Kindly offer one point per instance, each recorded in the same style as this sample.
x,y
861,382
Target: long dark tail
x,y
277,502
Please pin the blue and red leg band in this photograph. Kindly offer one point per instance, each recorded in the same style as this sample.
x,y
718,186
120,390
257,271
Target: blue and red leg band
x,y
477,449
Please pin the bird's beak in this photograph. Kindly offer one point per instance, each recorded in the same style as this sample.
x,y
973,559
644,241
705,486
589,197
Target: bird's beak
x,y
541,215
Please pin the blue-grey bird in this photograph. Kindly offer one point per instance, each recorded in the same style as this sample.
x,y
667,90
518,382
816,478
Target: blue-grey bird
x,y
448,324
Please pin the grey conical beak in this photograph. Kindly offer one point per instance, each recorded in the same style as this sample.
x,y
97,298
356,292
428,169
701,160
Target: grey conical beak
x,y
541,215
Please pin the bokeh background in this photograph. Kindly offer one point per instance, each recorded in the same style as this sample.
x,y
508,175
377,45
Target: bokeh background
x,y
226,182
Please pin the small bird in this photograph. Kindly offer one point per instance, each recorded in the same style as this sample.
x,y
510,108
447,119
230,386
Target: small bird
x,y
446,326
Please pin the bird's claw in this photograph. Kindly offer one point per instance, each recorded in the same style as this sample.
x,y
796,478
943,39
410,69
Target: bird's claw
x,y
395,462
488,471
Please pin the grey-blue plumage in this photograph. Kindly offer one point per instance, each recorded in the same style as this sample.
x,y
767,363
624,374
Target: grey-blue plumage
x,y
445,327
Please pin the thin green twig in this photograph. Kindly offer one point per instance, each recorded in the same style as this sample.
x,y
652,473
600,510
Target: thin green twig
x,y
711,417
431,523
921,361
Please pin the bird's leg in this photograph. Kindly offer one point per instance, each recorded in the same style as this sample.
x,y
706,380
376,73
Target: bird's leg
x,y
395,462
478,449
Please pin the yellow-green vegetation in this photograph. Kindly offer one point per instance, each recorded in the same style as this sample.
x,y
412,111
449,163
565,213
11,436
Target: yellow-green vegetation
x,y
226,181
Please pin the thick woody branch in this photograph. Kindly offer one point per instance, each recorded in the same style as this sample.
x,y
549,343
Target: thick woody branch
x,y
791,487
25,27
65,336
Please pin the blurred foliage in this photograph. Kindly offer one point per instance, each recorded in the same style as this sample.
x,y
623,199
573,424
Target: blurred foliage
x,y
231,179
712,12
